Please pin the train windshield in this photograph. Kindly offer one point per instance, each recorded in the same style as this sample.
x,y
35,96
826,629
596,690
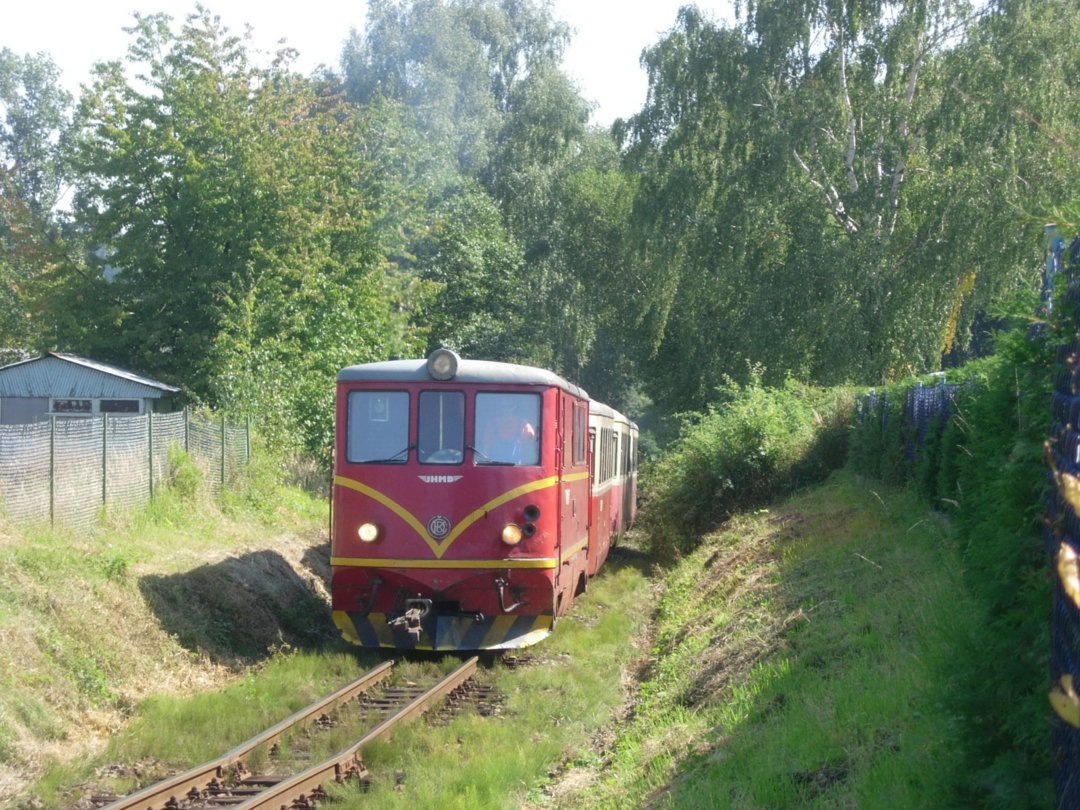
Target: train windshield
x,y
378,430
441,428
507,428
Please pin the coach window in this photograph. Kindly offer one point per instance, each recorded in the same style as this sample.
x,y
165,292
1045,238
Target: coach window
x,y
441,434
507,429
378,431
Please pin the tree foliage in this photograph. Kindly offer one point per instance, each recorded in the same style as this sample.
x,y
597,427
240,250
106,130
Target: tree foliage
x,y
818,197
236,212
481,79
831,190
35,115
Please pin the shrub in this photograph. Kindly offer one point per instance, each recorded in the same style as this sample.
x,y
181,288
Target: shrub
x,y
185,477
749,448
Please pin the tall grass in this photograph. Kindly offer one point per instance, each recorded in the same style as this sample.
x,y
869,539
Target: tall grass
x,y
553,708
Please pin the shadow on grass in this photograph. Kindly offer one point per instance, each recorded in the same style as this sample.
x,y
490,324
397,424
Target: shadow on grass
x,y
624,556
239,610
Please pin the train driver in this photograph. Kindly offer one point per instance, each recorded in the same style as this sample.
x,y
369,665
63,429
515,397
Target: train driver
x,y
514,441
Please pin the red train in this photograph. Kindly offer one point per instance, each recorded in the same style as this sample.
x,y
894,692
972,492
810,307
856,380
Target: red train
x,y
472,501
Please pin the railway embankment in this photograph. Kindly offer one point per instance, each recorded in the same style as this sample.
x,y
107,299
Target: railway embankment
x,y
185,596
805,654
808,654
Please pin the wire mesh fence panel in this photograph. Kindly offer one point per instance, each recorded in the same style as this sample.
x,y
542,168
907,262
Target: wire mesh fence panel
x,y
169,431
236,451
77,470
1061,532
127,462
67,469
204,446
24,471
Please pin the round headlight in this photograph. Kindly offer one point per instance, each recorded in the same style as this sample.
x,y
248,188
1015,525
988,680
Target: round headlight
x,y
442,364
511,534
368,532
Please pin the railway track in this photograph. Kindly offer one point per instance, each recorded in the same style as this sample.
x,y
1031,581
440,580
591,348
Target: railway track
x,y
225,782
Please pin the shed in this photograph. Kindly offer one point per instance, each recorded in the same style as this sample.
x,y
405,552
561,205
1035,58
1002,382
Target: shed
x,y
58,384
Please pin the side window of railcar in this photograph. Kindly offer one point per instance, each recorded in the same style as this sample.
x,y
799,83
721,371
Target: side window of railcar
x,y
592,453
581,433
507,429
378,427
441,433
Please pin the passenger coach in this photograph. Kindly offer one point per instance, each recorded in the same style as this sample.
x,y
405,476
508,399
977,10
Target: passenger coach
x,y
472,501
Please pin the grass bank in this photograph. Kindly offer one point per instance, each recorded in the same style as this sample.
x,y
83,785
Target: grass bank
x,y
805,656
95,621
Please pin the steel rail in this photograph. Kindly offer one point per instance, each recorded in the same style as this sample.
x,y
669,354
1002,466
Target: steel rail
x,y
334,768
177,787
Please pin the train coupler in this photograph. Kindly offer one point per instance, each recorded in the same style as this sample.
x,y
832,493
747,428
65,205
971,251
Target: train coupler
x,y
415,610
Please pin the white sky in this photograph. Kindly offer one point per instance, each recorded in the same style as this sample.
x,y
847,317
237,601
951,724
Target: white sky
x,y
603,56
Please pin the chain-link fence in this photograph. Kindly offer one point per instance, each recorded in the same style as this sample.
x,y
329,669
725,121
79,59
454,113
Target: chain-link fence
x,y
1062,535
66,470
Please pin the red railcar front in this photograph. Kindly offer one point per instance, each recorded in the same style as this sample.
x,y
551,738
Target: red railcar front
x,y
460,503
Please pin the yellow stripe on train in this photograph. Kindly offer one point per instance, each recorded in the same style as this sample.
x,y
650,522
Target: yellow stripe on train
x,y
437,548
382,562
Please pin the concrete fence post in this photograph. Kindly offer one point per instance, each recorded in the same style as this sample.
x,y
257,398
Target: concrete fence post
x,y
223,447
150,449
104,459
52,469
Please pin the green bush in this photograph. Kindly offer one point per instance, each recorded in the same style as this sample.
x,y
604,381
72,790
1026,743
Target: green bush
x,y
185,477
754,445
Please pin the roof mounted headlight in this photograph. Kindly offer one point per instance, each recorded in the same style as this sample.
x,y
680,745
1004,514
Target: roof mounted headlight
x,y
442,364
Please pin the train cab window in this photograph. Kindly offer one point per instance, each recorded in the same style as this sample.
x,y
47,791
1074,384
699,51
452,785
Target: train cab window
x,y
441,427
507,429
378,429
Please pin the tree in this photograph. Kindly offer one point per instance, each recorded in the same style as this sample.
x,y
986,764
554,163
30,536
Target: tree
x,y
456,65
478,309
239,216
481,80
33,127
817,198
36,119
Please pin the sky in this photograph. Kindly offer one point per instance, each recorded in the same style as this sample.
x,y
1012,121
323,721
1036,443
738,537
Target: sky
x,y
602,58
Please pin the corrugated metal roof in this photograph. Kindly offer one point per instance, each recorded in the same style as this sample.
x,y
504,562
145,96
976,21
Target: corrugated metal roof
x,y
67,375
